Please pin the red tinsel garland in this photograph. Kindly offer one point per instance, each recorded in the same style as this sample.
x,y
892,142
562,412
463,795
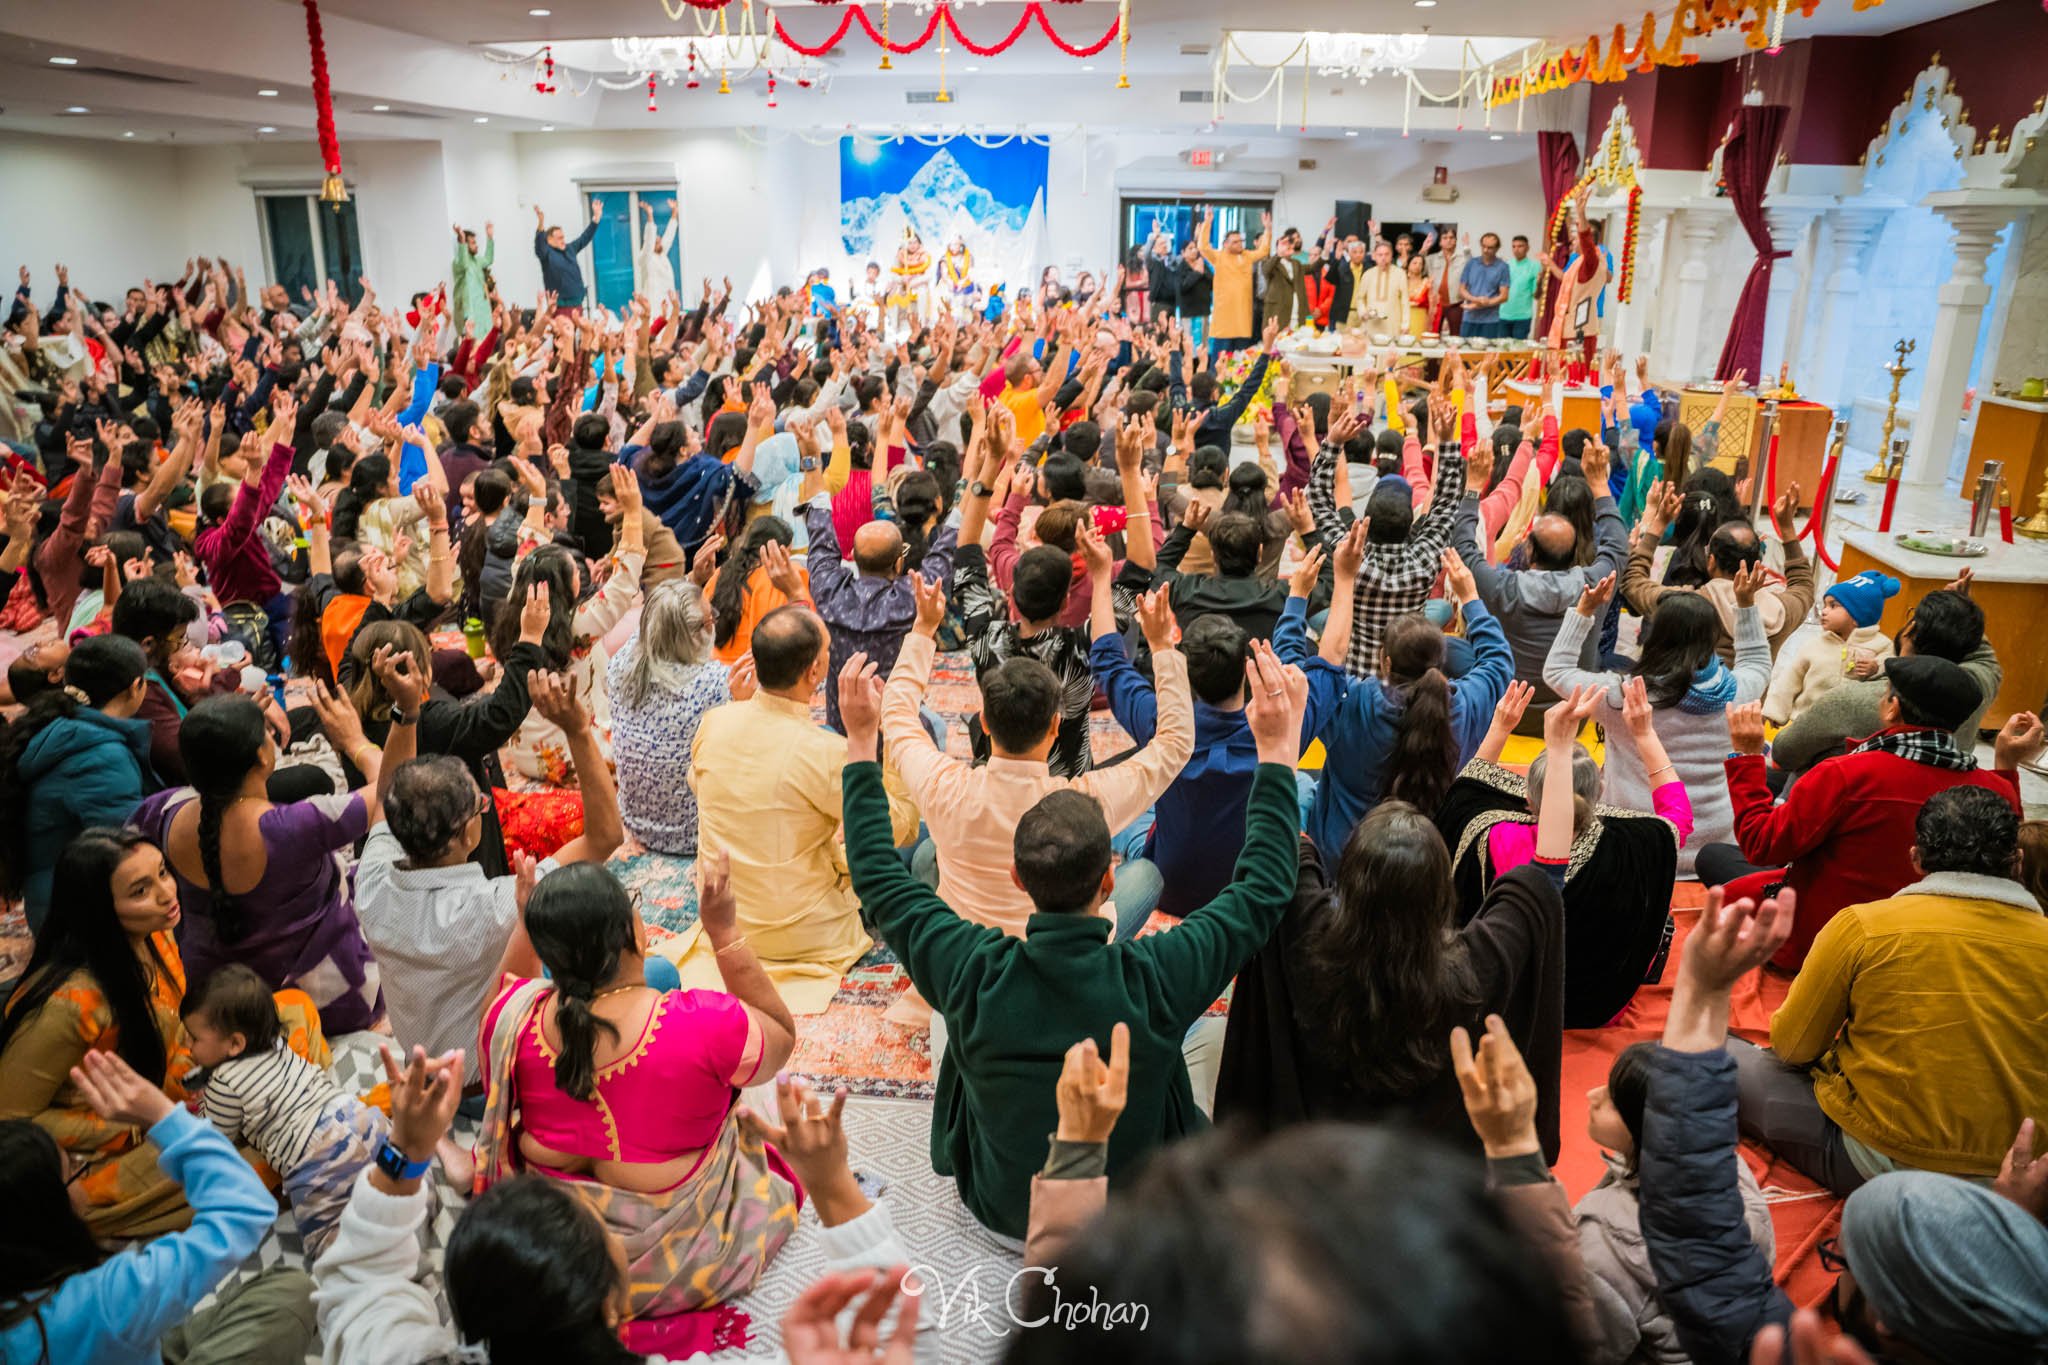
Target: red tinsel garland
x,y
1033,11
323,108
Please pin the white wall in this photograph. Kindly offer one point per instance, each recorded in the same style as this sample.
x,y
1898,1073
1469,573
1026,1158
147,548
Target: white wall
x,y
760,214
99,207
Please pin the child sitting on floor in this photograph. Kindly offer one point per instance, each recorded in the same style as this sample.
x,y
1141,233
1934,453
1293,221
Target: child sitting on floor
x,y
1634,1324
312,1133
1849,645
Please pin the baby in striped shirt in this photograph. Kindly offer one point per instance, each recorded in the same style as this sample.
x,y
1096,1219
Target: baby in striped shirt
x,y
316,1136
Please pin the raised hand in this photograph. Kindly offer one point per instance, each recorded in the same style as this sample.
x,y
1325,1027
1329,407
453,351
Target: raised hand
x,y
1277,700
1593,600
1155,619
1635,708
536,614
1302,581
1513,704
424,1096
1746,581
1745,727
1457,577
931,604
860,705
2020,740
557,699
1092,1092
1351,549
1562,721
117,1093
717,907
2023,1177
1094,552
811,1332
1500,1094
1733,939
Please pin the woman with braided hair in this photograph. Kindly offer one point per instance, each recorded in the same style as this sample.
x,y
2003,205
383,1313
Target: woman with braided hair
x,y
265,884
624,1096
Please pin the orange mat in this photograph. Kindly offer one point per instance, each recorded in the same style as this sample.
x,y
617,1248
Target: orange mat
x,y
1803,1214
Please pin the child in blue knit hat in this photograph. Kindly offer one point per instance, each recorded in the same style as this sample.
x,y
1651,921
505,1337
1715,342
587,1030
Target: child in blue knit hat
x,y
1848,636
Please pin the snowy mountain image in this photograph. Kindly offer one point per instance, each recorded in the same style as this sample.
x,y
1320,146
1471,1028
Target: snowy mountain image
x,y
938,200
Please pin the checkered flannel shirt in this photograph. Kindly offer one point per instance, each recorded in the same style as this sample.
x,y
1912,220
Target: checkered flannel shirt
x,y
1393,580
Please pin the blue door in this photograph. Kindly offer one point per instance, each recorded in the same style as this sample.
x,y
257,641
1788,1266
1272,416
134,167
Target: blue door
x,y
618,237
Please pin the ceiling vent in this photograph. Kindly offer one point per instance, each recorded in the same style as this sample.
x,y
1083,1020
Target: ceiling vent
x,y
110,73
1195,49
926,97
1197,96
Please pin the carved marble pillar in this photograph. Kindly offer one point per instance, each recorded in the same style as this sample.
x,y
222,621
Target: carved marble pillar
x,y
1976,217
1784,308
1849,229
1632,328
1698,229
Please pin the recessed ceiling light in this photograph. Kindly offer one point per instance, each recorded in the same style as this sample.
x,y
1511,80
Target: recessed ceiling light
x,y
540,13
1086,67
266,128
380,108
480,118
129,133
547,127
1425,4
63,61
1493,137
1351,132
77,109
268,94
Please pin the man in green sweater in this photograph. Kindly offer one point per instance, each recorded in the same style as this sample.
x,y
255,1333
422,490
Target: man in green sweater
x,y
1014,1006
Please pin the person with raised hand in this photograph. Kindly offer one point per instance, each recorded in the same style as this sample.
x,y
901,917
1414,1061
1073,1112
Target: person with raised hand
x,y
1689,690
1071,1190
972,811
62,1298
1017,1003
1616,891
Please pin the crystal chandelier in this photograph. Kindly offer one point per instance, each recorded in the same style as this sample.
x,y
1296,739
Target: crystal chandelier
x,y
670,56
1362,56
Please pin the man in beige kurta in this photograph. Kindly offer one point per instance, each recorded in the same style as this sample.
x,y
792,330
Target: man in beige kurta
x,y
1379,302
1230,308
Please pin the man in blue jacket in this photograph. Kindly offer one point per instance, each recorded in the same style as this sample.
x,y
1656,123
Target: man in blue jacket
x,y
559,273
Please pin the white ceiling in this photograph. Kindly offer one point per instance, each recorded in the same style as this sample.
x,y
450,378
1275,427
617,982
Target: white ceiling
x,y
190,70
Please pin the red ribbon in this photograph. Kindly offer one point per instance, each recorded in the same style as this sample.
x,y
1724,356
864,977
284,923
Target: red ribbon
x,y
1033,12
1771,469
323,99
2005,523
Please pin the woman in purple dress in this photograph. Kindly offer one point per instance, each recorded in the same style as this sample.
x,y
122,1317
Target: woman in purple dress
x,y
267,885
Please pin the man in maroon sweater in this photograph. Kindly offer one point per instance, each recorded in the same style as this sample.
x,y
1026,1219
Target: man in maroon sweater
x,y
1844,835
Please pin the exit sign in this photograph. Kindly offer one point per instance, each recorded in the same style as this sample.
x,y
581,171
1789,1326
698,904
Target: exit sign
x,y
1203,157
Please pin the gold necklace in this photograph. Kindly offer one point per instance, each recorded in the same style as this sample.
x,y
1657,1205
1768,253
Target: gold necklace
x,y
636,986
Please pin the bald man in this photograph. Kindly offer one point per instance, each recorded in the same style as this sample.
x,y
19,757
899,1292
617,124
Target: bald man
x,y
869,605
1530,603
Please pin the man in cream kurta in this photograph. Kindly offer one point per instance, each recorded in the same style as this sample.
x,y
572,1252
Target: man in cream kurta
x,y
1379,302
767,778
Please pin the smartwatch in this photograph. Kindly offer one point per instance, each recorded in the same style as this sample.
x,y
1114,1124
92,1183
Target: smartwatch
x,y
392,1162
980,489
399,717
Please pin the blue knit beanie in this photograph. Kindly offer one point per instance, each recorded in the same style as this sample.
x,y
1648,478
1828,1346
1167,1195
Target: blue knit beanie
x,y
1863,596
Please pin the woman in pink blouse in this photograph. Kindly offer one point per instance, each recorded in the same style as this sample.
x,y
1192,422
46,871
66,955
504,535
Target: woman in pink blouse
x,y
626,1095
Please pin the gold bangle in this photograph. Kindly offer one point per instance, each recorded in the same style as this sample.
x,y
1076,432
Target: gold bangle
x,y
739,942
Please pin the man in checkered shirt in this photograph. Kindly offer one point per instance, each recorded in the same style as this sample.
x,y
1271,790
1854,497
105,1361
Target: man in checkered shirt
x,y
1402,551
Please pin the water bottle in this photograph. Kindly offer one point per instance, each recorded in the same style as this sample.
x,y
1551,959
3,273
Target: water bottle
x,y
473,636
276,681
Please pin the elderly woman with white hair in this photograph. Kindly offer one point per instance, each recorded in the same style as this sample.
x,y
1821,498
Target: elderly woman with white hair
x,y
661,684
1617,888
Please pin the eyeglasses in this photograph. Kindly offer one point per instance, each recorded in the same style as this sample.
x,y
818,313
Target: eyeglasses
x,y
1831,1258
79,1166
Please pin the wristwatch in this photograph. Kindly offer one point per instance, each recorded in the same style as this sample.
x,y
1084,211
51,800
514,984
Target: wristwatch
x,y
399,717
980,489
392,1162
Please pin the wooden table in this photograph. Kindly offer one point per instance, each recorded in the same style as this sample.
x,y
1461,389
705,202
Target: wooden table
x,y
2010,583
1581,405
2015,431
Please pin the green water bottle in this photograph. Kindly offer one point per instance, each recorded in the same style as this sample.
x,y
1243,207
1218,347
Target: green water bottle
x,y
473,637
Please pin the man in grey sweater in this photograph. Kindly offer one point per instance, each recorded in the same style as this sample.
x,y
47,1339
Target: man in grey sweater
x,y
1947,624
1531,603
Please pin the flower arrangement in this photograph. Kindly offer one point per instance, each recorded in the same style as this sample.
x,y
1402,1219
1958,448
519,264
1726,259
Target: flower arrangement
x,y
1231,373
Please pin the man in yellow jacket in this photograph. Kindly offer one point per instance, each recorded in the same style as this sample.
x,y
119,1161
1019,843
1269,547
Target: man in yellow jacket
x,y
1911,1037
1230,309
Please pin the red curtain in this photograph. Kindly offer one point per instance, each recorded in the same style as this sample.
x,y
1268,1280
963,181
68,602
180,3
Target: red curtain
x,y
1746,167
1557,158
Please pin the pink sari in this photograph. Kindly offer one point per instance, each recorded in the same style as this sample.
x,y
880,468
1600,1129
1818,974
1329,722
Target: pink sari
x,y
690,1250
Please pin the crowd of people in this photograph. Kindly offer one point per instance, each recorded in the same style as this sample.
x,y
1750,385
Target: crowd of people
x,y
361,635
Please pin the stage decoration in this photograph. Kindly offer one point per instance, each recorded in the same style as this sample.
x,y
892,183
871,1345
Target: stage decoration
x,y
332,190
544,84
1543,68
1891,456
1231,373
1360,56
1611,167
